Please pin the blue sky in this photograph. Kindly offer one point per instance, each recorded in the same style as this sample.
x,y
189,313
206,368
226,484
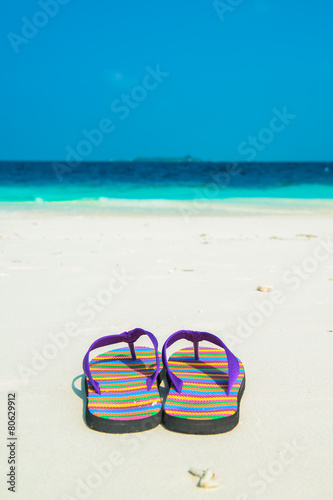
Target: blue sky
x,y
166,79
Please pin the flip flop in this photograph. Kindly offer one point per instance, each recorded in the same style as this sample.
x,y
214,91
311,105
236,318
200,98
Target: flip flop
x,y
122,385
205,387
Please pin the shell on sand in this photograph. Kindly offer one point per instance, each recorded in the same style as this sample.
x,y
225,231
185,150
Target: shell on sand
x,y
207,480
266,288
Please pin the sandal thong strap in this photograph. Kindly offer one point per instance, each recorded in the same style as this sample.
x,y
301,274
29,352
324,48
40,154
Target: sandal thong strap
x,y
129,337
196,337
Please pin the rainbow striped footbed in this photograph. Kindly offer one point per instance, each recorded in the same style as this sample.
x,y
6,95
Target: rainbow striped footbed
x,y
124,394
202,396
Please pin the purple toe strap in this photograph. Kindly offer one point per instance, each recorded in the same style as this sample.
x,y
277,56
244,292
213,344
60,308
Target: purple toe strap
x,y
129,337
195,337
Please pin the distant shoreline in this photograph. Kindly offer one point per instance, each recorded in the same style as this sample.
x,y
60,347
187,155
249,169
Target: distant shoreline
x,y
182,208
175,160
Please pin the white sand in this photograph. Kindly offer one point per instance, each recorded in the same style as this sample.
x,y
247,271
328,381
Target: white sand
x,y
201,274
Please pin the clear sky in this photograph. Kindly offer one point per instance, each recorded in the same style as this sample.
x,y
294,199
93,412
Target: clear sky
x,y
224,80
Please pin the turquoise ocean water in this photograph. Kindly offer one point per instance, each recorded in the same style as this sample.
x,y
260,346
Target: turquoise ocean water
x,y
131,184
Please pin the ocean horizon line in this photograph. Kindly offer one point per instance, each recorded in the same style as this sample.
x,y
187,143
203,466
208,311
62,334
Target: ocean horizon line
x,y
29,181
167,160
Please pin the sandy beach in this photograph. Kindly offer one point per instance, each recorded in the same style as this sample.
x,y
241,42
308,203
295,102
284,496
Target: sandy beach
x,y
68,279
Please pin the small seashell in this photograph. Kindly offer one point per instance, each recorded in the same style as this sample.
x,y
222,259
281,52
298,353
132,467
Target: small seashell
x,y
206,477
264,288
207,480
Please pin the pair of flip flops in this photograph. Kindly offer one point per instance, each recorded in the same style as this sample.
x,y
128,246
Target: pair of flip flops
x,y
205,385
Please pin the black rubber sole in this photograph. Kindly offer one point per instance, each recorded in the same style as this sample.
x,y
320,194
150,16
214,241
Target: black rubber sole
x,y
122,426
212,426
